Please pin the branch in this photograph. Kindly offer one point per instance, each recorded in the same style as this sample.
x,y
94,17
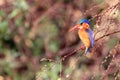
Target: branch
x,y
81,48
73,52
107,35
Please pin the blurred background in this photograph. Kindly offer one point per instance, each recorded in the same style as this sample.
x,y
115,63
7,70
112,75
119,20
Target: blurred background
x,y
34,38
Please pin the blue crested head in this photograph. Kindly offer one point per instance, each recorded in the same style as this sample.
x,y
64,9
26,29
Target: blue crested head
x,y
84,20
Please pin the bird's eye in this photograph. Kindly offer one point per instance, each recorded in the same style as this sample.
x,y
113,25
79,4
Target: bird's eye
x,y
81,23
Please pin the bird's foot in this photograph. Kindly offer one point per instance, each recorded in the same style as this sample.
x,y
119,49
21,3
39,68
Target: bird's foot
x,y
82,47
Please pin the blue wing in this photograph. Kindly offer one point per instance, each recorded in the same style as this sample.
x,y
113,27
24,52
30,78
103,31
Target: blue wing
x,y
90,34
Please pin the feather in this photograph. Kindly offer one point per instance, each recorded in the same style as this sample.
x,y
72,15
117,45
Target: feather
x,y
89,32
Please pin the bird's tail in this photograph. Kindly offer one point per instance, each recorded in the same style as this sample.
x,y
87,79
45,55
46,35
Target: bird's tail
x,y
87,50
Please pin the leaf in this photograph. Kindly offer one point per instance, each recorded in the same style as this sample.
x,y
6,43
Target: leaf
x,y
14,13
54,46
3,26
2,13
21,4
18,22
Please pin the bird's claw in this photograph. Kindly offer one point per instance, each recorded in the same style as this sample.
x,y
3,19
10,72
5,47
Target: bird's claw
x,y
82,47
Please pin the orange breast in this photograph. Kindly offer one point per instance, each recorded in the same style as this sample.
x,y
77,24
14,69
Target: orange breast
x,y
84,37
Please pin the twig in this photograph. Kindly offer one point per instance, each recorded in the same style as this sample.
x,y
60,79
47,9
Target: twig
x,y
107,35
71,53
116,74
97,32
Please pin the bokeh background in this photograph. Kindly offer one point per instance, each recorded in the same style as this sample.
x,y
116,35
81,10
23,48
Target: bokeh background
x,y
34,40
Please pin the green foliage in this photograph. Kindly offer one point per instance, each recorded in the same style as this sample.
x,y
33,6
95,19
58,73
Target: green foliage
x,y
49,71
33,29
48,32
54,46
14,13
3,26
37,46
21,4
2,13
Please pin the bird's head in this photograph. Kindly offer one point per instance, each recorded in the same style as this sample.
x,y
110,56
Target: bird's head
x,y
82,24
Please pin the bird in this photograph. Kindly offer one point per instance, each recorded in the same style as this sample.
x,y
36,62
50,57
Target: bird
x,y
85,33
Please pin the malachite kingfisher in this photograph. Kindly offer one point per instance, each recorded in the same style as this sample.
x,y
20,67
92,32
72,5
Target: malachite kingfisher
x,y
85,33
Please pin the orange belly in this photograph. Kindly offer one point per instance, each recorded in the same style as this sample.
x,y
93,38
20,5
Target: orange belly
x,y
84,38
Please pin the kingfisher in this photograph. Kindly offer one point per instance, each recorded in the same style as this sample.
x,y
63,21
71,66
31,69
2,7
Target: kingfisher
x,y
85,33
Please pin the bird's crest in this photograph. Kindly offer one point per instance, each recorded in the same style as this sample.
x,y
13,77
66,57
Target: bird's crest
x,y
84,20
